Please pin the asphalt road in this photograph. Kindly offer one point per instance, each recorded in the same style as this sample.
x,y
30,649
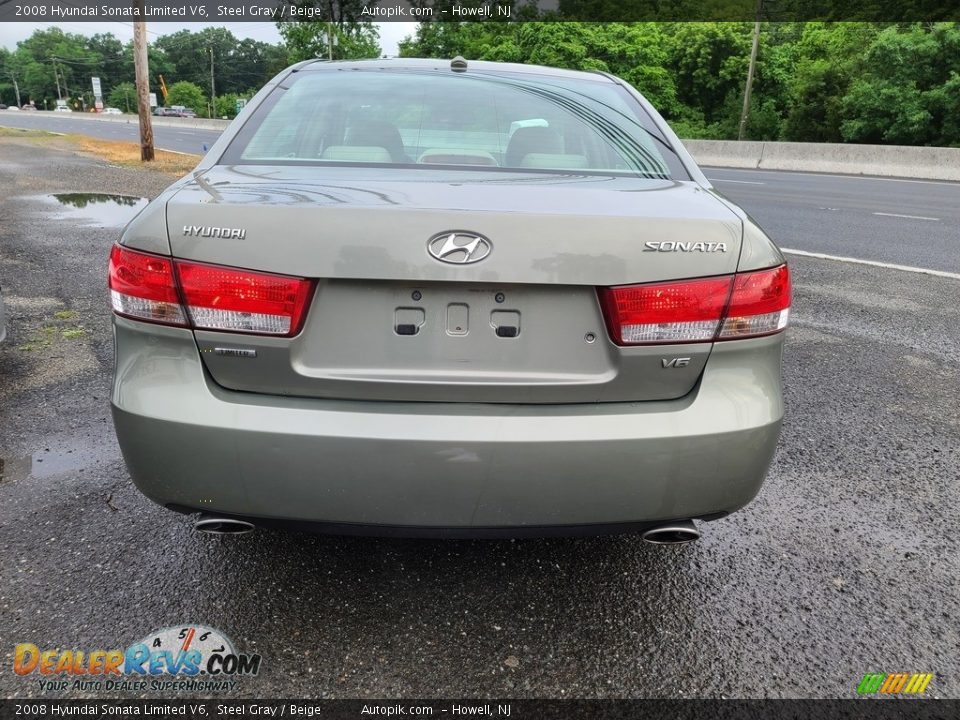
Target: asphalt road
x,y
165,137
904,222
846,563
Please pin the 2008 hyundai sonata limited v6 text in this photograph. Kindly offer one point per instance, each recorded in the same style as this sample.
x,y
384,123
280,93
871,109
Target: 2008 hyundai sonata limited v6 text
x,y
448,298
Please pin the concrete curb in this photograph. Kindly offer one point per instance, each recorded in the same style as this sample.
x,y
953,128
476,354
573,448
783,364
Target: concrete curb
x,y
185,123
928,163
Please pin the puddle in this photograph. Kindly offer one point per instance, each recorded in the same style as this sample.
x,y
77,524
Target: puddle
x,y
47,463
103,209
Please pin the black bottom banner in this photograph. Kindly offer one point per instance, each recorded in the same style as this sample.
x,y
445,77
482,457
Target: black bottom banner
x,y
865,709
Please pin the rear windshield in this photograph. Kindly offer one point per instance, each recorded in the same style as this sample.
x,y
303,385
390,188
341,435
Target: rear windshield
x,y
504,121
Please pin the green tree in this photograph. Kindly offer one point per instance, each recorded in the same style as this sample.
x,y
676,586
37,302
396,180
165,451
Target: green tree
x,y
352,41
237,64
634,51
111,62
825,57
709,64
905,89
944,105
189,56
49,58
227,104
123,96
189,95
7,94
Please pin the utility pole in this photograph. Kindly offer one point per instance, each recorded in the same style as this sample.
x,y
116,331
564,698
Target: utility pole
x,y
753,62
213,89
330,40
16,88
56,77
143,84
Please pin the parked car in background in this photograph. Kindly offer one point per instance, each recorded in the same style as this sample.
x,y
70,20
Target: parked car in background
x,y
29,107
183,111
112,111
2,106
175,111
447,298
62,109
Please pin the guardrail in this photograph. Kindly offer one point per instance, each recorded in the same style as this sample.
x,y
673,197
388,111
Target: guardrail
x,y
929,163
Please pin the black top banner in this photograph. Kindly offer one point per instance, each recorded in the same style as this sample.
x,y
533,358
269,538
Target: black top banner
x,y
233,11
501,709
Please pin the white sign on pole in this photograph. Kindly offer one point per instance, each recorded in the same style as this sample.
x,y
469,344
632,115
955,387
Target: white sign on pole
x,y
153,99
97,91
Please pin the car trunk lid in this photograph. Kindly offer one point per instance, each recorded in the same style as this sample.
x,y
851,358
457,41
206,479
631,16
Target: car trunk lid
x,y
391,321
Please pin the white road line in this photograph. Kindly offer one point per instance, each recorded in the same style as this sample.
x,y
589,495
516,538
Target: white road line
x,y
873,263
909,217
740,182
180,152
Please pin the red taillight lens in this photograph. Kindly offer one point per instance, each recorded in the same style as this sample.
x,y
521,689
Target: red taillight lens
x,y
760,304
703,310
222,298
145,287
687,311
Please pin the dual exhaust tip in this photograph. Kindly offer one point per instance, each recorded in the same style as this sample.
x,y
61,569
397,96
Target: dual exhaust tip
x,y
678,532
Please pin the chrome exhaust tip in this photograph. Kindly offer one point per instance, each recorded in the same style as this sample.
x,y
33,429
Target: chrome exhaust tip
x,y
679,532
223,526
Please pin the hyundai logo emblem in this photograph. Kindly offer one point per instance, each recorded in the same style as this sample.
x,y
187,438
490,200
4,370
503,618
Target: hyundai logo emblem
x,y
458,247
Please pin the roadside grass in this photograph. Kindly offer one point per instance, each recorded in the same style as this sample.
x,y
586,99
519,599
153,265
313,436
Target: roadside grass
x,y
115,152
127,154
23,133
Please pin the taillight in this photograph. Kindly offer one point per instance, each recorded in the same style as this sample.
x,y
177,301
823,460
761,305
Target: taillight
x,y
223,298
717,308
143,286
207,297
760,304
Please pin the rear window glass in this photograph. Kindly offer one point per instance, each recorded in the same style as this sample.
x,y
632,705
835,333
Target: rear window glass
x,y
503,121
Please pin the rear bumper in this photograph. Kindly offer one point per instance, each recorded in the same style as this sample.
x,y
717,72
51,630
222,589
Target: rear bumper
x,y
467,468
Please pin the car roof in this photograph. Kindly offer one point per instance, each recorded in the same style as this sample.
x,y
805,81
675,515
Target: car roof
x,y
486,66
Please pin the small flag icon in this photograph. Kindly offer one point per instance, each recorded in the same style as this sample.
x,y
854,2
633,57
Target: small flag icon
x,y
894,683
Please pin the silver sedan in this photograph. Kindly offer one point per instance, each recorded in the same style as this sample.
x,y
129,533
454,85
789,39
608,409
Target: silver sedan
x,y
448,298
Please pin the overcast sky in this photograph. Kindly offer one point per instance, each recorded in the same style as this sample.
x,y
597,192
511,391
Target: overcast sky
x,y
10,33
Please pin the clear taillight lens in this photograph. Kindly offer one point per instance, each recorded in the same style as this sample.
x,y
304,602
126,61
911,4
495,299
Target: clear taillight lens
x,y
207,297
702,310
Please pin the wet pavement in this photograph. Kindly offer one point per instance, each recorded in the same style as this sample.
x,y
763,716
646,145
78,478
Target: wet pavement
x,y
847,562
104,209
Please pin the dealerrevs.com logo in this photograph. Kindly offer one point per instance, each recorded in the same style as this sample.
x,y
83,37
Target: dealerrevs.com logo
x,y
189,658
